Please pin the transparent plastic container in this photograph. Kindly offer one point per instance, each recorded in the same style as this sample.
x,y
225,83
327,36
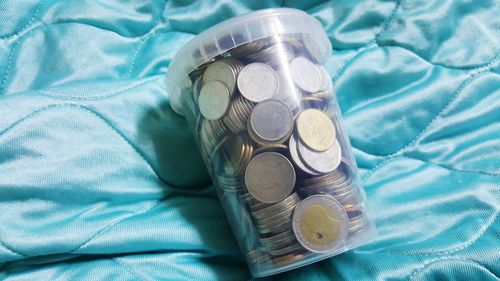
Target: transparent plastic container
x,y
261,106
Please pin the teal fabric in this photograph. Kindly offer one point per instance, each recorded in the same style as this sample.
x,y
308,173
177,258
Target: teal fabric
x,y
101,180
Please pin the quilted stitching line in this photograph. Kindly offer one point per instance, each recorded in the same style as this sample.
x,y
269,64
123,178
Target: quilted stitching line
x,y
474,74
143,40
387,160
106,122
130,270
476,237
117,132
370,43
27,25
18,41
113,223
477,72
7,68
107,95
428,263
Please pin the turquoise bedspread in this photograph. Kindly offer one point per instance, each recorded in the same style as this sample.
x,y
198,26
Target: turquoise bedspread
x,y
101,180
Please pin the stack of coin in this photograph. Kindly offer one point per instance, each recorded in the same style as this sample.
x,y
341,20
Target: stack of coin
x,y
338,184
237,116
211,134
276,51
274,224
266,126
231,158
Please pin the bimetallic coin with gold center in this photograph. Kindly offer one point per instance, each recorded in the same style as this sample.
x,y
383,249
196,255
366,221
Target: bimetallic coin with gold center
x,y
320,223
315,129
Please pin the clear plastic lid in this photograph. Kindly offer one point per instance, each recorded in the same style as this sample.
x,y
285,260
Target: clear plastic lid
x,y
235,32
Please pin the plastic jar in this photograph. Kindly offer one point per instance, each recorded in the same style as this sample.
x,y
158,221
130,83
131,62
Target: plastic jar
x,y
260,104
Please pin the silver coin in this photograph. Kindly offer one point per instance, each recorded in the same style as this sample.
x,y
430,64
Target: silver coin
x,y
278,217
270,177
320,223
327,85
292,146
279,228
306,75
258,82
247,49
214,100
225,70
273,238
196,89
271,120
272,209
287,91
285,250
312,47
321,161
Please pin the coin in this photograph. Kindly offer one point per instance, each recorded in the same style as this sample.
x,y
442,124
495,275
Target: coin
x,y
312,47
196,89
320,223
248,49
322,162
238,113
257,82
213,100
306,75
315,129
277,52
292,146
273,209
270,177
224,70
271,121
287,91
287,258
286,250
277,147
232,156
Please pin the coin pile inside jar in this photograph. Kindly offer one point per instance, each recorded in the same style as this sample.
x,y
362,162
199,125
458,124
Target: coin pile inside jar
x,y
266,127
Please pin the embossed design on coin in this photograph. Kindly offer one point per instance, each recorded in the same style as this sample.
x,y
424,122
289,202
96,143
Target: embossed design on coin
x,y
322,162
315,129
270,177
320,223
258,82
306,75
271,121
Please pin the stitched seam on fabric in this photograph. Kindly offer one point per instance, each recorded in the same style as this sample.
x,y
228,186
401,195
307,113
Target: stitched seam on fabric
x,y
107,95
113,223
463,68
483,230
130,270
387,160
475,73
476,237
370,43
145,38
27,25
116,132
428,263
16,45
106,122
